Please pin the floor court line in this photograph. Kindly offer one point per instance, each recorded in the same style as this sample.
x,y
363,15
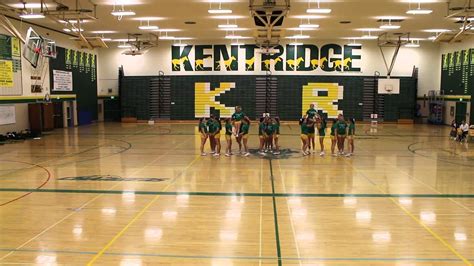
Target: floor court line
x,y
72,213
243,194
137,216
275,214
233,257
419,222
290,212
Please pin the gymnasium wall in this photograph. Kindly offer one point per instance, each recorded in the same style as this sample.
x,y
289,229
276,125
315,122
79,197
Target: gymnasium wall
x,y
159,59
457,79
19,101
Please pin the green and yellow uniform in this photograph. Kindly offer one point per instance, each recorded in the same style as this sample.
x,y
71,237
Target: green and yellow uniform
x,y
203,129
238,116
244,130
214,128
321,126
269,130
311,113
304,130
341,128
333,130
351,131
228,131
311,130
277,129
261,130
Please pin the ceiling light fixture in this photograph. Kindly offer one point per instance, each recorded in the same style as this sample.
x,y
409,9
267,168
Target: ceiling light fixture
x,y
121,12
369,36
104,39
413,44
219,10
389,26
124,45
32,15
354,43
227,26
148,26
317,10
419,10
308,25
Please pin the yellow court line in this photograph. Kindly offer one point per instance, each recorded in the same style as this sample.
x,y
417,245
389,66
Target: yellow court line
x,y
432,232
135,218
117,236
82,206
54,225
429,186
291,215
427,228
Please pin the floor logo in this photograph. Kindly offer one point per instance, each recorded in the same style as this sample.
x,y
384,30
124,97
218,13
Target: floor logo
x,y
325,97
110,178
205,98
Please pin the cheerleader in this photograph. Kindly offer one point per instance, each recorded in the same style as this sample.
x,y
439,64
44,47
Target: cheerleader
x,y
203,132
212,141
311,113
269,132
333,136
321,127
244,135
350,136
215,134
228,136
304,135
261,135
311,134
276,135
341,133
237,119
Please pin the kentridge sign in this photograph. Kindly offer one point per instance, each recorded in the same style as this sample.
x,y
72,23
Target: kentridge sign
x,y
246,57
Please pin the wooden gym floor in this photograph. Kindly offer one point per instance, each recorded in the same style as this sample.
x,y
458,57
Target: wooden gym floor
x,y
405,198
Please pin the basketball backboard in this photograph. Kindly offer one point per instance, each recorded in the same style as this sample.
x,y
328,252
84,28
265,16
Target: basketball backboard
x,y
33,47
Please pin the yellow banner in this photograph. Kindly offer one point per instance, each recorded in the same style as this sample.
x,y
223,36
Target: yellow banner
x,y
15,47
6,74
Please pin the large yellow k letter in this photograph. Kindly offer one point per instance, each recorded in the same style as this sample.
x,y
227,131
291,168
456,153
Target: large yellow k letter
x,y
204,99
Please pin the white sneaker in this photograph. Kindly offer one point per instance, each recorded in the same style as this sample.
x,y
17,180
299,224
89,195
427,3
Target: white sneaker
x,y
227,154
334,154
216,154
203,154
212,152
261,153
277,153
342,153
349,154
322,153
246,154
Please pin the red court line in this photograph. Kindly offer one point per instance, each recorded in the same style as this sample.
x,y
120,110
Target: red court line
x,y
26,194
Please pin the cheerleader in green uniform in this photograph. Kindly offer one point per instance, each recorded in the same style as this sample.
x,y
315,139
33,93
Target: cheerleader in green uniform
x,y
321,127
228,137
350,136
304,135
237,119
215,134
244,135
203,132
311,134
341,133
261,135
333,136
276,135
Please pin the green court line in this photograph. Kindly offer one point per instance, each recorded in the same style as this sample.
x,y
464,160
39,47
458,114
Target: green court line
x,y
275,214
177,256
231,194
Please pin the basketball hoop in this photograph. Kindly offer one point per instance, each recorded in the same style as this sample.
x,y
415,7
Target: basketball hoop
x,y
49,48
